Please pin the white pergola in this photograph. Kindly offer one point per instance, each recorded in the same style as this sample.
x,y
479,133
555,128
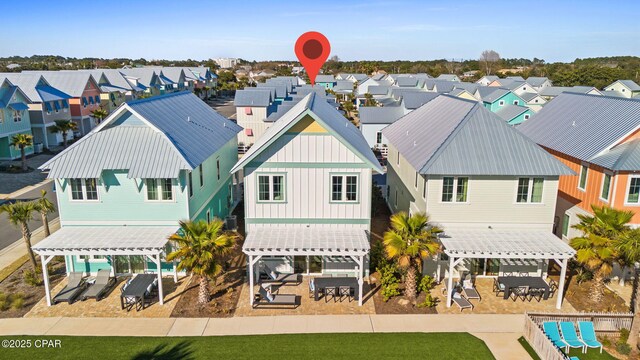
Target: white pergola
x,y
489,243
353,243
110,241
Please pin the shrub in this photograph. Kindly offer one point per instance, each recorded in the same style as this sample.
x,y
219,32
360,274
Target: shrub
x,y
377,256
32,278
17,303
389,281
623,349
4,302
429,301
606,342
426,284
583,274
624,336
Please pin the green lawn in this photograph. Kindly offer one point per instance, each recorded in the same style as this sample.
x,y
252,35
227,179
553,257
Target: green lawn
x,y
278,347
592,354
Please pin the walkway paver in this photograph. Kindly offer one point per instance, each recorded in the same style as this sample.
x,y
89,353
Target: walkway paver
x,y
504,346
22,326
188,327
111,327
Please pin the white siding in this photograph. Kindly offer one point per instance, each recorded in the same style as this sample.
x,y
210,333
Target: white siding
x,y
369,131
255,122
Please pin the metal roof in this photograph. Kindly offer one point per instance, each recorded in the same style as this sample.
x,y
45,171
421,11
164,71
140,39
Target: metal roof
x,y
454,136
413,100
470,87
557,90
380,115
528,96
310,241
261,98
504,244
448,77
509,111
489,78
378,90
28,83
113,76
491,94
69,82
630,84
516,78
144,75
106,240
328,116
623,157
279,89
406,81
583,126
325,79
536,80
343,85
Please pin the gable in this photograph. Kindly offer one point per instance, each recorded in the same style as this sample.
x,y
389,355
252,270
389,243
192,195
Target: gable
x,y
126,118
306,125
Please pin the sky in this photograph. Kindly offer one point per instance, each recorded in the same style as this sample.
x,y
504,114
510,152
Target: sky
x,y
557,30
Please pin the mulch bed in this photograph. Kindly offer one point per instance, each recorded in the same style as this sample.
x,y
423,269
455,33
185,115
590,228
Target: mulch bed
x,y
14,284
579,295
226,290
398,304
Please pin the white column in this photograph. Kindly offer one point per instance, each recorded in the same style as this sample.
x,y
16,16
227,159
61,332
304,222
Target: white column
x,y
438,267
45,275
175,272
251,280
563,274
113,265
360,281
160,293
450,281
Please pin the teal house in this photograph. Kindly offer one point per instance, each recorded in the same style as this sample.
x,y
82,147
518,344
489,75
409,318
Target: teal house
x,y
493,98
123,188
326,81
14,119
514,114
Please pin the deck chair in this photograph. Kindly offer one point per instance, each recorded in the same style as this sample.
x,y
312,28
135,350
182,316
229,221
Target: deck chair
x,y
72,290
275,277
470,291
266,298
551,330
462,302
104,282
588,335
570,336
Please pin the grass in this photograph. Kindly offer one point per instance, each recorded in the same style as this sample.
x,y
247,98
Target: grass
x,y
300,346
592,354
11,268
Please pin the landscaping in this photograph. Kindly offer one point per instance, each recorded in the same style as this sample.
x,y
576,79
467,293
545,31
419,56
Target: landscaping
x,y
458,346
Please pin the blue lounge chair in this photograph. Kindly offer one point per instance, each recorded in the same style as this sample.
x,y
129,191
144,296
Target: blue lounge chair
x,y
570,336
551,329
574,358
588,335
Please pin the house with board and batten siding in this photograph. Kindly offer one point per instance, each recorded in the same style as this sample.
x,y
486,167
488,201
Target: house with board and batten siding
x,y
307,194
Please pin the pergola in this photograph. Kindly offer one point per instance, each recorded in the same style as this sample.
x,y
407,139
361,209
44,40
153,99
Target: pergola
x,y
353,243
489,243
111,241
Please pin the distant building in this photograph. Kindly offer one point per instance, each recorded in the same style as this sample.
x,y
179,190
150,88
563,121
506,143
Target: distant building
x,y
226,63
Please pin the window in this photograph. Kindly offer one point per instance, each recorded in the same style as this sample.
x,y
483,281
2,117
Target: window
x,y
424,187
84,102
516,102
527,116
501,103
396,198
416,181
159,189
91,100
530,190
536,101
379,137
84,189
200,175
97,97
606,186
271,188
565,225
524,88
190,176
634,190
344,188
47,106
218,167
584,172
208,216
17,116
398,159
455,189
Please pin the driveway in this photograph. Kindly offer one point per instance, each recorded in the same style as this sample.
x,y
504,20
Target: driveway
x,y
10,183
224,106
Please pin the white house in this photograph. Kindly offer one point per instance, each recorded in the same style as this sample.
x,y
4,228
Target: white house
x,y
624,88
252,109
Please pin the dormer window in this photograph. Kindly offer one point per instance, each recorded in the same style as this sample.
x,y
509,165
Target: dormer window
x,y
17,116
501,103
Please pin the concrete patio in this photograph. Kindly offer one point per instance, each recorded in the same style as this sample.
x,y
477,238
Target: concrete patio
x,y
308,305
110,306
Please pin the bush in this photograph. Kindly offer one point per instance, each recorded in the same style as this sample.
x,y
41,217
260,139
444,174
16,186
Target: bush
x,y
377,256
623,349
583,274
4,302
32,278
426,284
389,281
606,342
624,336
429,301
17,303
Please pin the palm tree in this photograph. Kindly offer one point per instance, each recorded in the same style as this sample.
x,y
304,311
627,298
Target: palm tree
x,y
410,240
628,247
202,249
99,114
369,100
64,126
44,206
596,248
22,141
19,214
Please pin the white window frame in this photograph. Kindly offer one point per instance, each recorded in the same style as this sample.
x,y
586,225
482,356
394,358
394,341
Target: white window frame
x,y
208,216
501,103
378,136
626,194
190,181
17,116
604,176
455,190
343,191
201,175
270,187
218,167
415,182
159,190
568,227
92,258
530,191
83,185
527,116
583,167
516,102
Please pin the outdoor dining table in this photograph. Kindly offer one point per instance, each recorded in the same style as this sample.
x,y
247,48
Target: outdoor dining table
x,y
335,282
137,288
533,282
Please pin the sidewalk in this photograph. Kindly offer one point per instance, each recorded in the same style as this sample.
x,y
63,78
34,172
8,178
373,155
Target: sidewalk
x,y
17,250
500,332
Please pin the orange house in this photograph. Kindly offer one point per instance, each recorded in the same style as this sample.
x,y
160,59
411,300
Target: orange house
x,y
597,137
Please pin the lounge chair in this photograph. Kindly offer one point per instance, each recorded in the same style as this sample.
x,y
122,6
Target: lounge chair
x,y
104,282
462,302
470,291
497,287
551,330
570,336
266,298
274,277
588,335
72,290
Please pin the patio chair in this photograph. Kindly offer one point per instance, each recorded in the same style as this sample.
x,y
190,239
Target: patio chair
x,y
470,291
536,293
461,302
497,287
312,288
588,335
265,298
507,273
331,290
550,328
519,292
75,286
570,336
344,291
275,277
553,287
104,282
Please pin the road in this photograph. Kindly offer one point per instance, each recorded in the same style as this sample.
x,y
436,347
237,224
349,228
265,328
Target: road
x,y
224,106
9,233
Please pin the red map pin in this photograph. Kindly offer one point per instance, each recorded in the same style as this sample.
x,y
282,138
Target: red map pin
x,y
312,49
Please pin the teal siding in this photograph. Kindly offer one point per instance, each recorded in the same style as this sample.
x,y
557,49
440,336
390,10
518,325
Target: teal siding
x,y
520,118
94,266
9,127
509,98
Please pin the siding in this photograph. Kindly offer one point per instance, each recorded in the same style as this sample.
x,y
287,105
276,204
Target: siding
x,y
255,122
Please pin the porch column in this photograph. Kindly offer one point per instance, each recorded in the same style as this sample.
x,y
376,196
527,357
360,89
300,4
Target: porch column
x,y
113,265
360,281
45,274
450,281
563,274
251,280
175,272
160,293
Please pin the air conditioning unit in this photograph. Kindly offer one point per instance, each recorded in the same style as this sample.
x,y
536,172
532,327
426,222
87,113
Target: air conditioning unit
x,y
231,222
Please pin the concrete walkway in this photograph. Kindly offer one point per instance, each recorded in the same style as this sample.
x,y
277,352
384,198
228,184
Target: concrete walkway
x,y
500,332
18,249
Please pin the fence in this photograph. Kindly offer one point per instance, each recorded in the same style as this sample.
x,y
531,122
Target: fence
x,y
605,324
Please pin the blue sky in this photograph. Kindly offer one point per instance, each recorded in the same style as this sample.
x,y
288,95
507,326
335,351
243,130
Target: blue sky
x,y
358,30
